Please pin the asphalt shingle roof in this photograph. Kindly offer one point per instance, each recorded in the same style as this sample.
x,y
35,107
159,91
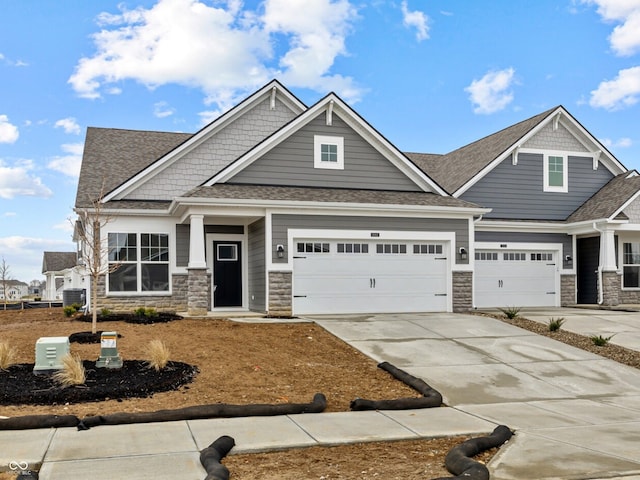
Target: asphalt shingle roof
x,y
608,199
302,194
113,156
456,168
58,261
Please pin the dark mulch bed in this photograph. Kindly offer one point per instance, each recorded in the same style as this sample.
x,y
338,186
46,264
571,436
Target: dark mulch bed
x,y
87,337
160,317
18,384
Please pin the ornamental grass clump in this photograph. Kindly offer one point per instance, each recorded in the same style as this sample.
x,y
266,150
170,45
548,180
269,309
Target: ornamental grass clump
x,y
555,324
8,355
72,372
599,340
157,355
511,312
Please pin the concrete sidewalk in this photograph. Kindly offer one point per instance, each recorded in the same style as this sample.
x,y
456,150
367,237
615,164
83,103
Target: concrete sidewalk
x,y
577,415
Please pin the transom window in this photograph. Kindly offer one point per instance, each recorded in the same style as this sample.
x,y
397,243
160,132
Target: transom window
x,y
555,173
312,247
328,152
427,249
138,262
631,265
353,248
391,248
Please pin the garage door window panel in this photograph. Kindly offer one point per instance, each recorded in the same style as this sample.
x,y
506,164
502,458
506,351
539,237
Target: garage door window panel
x,y
391,248
631,265
353,248
427,249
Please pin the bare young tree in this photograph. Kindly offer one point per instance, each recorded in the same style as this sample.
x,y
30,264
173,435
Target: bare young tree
x,y
95,252
5,276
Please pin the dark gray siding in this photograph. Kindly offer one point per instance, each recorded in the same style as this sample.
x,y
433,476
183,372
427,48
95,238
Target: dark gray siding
x,y
281,224
511,238
291,163
182,239
257,266
516,191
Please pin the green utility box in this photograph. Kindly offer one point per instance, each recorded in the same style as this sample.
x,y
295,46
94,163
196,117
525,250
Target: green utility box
x,y
109,357
49,353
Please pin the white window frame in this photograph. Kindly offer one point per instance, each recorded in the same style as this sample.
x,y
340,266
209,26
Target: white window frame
x,y
565,173
628,265
318,142
138,265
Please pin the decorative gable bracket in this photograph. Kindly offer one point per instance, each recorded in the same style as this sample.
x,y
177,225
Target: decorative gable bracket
x,y
330,113
514,155
596,158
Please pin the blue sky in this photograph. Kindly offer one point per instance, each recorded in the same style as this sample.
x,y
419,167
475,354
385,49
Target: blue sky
x,y
430,75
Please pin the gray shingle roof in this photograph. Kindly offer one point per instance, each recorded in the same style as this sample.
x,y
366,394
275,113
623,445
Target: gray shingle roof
x,y
58,261
456,168
302,194
113,156
608,199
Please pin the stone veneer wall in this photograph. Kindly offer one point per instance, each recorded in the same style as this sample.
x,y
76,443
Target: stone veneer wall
x,y
611,282
175,303
567,290
462,291
198,291
280,294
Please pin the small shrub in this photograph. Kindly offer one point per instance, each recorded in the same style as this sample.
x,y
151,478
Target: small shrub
x,y
72,372
139,311
69,310
150,313
76,306
599,340
8,355
105,312
157,355
511,312
555,324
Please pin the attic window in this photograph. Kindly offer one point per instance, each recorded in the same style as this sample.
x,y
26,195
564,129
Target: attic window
x,y
328,152
555,173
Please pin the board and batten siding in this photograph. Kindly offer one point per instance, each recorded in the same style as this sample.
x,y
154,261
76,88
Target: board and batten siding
x,y
516,191
282,223
291,163
184,231
513,238
257,266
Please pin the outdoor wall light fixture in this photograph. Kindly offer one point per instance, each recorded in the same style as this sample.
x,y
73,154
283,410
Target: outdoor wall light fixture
x,y
568,258
463,253
280,251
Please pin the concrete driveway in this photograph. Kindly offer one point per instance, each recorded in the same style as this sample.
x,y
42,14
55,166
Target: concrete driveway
x,y
577,415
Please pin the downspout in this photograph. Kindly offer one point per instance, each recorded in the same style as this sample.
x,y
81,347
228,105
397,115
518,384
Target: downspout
x,y
473,290
600,289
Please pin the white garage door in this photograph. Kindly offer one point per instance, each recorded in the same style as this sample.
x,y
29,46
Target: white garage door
x,y
515,278
334,276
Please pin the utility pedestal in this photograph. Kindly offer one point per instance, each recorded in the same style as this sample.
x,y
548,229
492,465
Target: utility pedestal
x,y
109,357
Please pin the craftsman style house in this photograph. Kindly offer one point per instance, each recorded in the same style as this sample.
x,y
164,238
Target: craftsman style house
x,y
281,208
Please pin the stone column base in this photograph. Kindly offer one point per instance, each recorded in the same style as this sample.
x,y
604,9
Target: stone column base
x,y
462,291
280,294
611,282
197,291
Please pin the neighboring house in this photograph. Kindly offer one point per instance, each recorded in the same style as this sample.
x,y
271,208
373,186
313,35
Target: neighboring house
x,y
62,273
13,290
286,209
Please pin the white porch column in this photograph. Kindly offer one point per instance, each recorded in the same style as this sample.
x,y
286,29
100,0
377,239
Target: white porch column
x,y
196,243
607,250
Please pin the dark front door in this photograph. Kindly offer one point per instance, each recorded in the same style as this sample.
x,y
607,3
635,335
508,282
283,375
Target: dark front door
x,y
227,274
587,269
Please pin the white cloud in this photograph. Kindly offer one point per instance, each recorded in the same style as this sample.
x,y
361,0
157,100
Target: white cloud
x,y
492,92
625,38
69,125
68,164
222,49
17,181
8,132
162,110
417,20
618,93
9,214
623,142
